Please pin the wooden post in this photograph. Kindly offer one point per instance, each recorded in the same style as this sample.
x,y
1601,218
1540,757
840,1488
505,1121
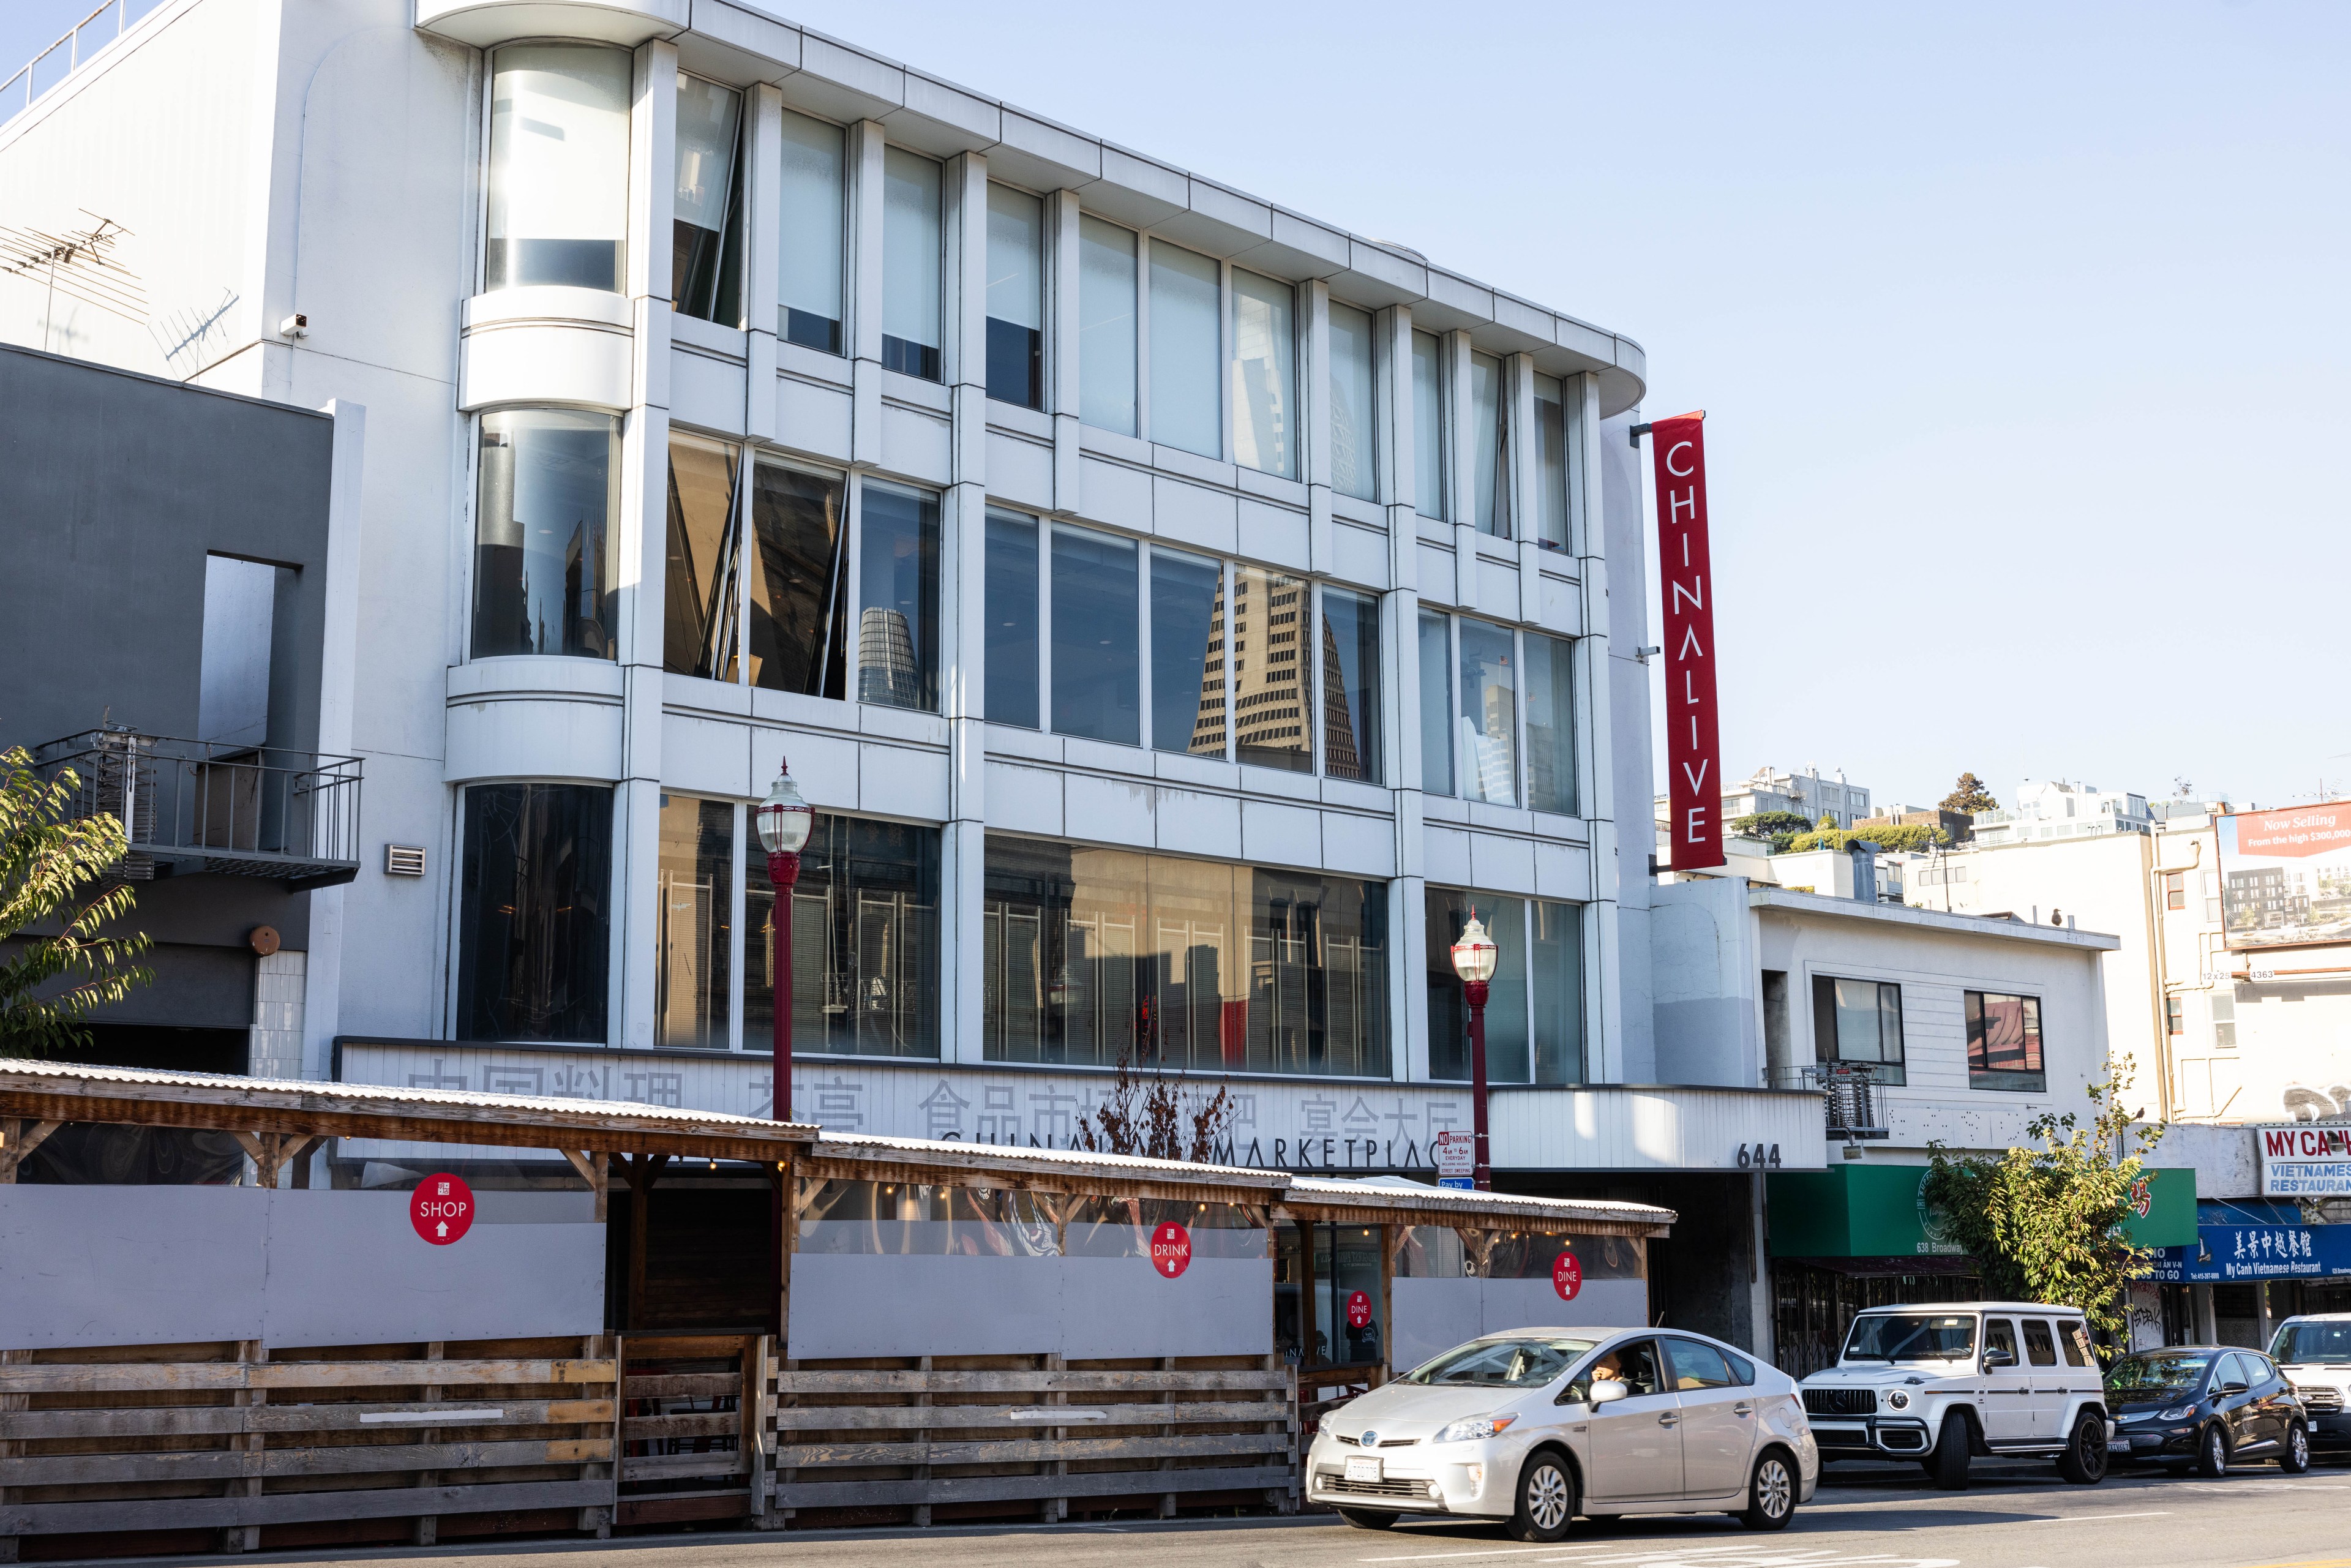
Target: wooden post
x,y
922,1472
1167,1499
642,1171
10,1447
1277,1498
592,1170
599,1518
758,1450
428,1526
246,1537
18,1139
1055,1509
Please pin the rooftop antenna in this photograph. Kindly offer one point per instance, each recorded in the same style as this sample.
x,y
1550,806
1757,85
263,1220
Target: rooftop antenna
x,y
79,263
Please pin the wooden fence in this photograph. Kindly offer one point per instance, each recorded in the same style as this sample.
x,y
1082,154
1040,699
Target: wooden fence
x,y
693,1408
967,1436
235,1445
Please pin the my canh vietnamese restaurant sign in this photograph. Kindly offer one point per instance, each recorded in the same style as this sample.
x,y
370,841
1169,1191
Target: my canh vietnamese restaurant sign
x,y
2305,1160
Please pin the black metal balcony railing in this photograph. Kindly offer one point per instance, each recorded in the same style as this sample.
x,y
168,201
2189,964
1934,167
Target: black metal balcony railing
x,y
1849,1099
190,806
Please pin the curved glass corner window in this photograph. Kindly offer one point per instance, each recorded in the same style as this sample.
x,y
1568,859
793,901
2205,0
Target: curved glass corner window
x,y
1489,715
1015,296
1107,314
1428,412
535,923
913,241
558,167
1186,408
707,232
547,509
813,194
1265,380
898,589
1349,647
1355,439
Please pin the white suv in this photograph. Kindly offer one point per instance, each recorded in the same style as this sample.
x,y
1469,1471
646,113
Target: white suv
x,y
2313,1351
1938,1384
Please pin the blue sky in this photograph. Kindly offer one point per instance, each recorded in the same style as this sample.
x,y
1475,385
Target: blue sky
x,y
2021,329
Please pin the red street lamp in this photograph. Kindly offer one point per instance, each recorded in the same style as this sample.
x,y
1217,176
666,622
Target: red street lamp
x,y
784,820
1473,960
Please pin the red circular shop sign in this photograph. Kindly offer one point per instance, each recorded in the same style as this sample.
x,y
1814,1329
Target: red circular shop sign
x,y
1171,1250
1359,1311
442,1209
1566,1276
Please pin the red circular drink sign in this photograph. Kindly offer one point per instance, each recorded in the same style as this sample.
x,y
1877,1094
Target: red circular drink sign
x,y
1566,1276
1359,1311
442,1209
1171,1250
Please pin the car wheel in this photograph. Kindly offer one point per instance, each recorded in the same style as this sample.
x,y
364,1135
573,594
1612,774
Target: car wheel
x,y
2213,1455
1772,1493
1546,1499
2084,1462
1948,1465
1362,1519
2296,1457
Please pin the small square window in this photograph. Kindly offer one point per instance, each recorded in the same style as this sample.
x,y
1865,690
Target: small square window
x,y
2004,1043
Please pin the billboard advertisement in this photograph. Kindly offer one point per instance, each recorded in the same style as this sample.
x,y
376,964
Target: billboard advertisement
x,y
2305,1161
2286,877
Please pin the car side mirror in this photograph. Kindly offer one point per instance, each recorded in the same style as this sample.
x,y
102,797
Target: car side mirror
x,y
1997,1358
2232,1387
1607,1391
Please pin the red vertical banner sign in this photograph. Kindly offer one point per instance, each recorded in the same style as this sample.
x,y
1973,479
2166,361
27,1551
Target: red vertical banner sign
x,y
1694,784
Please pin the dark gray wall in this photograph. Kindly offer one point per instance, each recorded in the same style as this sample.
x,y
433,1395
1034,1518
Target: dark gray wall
x,y
113,489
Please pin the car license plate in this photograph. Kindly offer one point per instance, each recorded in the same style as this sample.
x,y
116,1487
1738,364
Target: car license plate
x,y
1362,1469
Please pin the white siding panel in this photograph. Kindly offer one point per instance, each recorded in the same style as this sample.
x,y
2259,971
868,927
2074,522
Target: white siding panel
x,y
1114,494
1019,471
705,392
1023,799
1108,810
916,444
1194,515
1197,824
901,782
812,418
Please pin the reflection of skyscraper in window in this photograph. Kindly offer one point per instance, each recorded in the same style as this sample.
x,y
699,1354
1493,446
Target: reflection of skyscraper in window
x,y
1270,726
1208,729
885,660
1340,757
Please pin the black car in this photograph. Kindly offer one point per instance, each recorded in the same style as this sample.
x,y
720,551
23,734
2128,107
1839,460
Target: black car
x,y
2206,1406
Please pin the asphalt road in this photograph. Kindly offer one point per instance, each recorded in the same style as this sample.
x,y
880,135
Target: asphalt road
x,y
2012,1517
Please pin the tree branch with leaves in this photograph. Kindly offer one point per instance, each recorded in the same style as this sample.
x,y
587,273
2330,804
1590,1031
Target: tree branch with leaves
x,y
2048,1224
1157,1117
52,870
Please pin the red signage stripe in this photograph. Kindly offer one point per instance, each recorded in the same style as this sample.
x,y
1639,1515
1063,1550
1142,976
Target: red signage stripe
x,y
1686,573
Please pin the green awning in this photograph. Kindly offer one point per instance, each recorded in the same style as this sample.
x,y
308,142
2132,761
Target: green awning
x,y
1878,1211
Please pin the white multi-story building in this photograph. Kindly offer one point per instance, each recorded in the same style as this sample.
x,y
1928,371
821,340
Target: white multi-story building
x,y
2048,809
1811,794
1183,613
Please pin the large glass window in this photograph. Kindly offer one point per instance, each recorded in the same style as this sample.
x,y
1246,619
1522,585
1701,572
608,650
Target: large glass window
x,y
698,604
1011,620
2004,1043
1429,416
1489,715
1558,964
1489,446
706,256
898,592
1859,1021
1351,686
1355,440
866,941
695,883
1550,723
558,167
1097,956
546,512
912,247
1436,703
1449,912
1273,683
534,922
800,591
1265,381
1185,408
1106,326
1015,296
1187,654
1097,674
813,202
1550,452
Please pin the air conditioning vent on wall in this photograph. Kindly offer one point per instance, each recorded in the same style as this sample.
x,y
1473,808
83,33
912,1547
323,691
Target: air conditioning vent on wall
x,y
404,860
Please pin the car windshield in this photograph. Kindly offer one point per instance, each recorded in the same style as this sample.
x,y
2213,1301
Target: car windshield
x,y
2155,1376
1503,1363
1912,1336
2305,1343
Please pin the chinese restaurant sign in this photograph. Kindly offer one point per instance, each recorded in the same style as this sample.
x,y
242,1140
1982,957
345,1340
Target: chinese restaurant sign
x,y
1685,565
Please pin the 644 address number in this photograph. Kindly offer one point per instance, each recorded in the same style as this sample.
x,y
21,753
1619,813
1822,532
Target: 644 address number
x,y
1759,1156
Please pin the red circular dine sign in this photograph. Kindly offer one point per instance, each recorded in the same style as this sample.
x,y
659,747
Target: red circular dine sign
x,y
1359,1311
1566,1276
1171,1250
442,1209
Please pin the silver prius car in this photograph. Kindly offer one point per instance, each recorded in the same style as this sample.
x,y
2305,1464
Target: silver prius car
x,y
1537,1425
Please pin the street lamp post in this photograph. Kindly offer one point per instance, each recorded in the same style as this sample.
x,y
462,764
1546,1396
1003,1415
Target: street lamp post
x,y
1473,960
784,821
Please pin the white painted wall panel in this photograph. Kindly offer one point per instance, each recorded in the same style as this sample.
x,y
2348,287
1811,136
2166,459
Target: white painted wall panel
x,y
1019,471
1273,533
1359,555
1114,494
705,392
534,739
862,1305
1194,515
916,444
812,418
